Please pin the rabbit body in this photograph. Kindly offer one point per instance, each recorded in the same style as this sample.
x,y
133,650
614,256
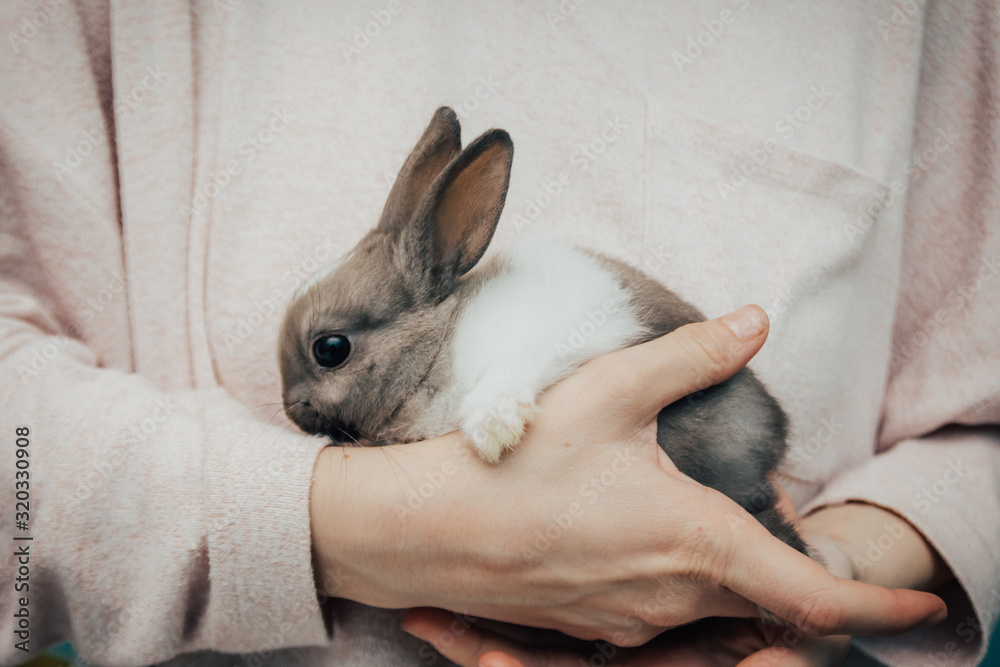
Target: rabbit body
x,y
409,336
538,313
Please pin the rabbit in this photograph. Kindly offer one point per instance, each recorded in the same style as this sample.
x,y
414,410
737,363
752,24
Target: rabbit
x,y
401,340
405,338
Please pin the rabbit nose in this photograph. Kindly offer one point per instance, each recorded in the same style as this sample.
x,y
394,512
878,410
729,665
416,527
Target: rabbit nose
x,y
341,431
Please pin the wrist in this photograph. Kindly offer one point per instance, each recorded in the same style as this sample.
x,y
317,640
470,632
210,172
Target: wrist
x,y
348,515
385,521
881,547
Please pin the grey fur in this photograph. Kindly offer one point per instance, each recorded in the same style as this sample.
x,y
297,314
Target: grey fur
x,y
398,296
729,436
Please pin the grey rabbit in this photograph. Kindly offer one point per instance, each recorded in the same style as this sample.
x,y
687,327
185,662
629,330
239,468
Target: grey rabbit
x,y
401,340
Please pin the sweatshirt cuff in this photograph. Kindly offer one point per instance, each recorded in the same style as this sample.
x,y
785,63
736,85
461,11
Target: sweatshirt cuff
x,y
263,589
947,485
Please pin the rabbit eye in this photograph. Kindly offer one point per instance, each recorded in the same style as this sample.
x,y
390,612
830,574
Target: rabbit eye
x,y
331,351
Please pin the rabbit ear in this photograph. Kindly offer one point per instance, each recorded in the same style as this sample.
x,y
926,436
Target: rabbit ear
x,y
438,146
456,221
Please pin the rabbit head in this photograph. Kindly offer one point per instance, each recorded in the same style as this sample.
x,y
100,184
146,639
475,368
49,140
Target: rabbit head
x,y
361,342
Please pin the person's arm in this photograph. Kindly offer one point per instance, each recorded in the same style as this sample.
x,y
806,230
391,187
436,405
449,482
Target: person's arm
x,y
844,533
163,519
937,456
161,522
468,547
924,514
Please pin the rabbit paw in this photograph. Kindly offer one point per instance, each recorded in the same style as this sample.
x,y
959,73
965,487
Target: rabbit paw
x,y
495,428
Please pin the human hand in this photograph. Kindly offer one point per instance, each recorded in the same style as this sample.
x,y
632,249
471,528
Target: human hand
x,y
472,543
839,533
706,643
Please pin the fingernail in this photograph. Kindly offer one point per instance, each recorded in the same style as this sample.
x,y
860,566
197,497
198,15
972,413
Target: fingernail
x,y
937,617
746,323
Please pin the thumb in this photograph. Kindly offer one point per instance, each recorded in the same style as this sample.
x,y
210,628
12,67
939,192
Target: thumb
x,y
691,358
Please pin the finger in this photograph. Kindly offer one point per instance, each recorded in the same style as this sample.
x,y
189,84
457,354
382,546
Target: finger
x,y
784,502
775,655
434,626
803,592
470,646
689,359
498,659
795,649
829,552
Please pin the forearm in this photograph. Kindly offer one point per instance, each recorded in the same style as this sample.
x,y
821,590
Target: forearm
x,y
345,505
880,547
156,494
380,516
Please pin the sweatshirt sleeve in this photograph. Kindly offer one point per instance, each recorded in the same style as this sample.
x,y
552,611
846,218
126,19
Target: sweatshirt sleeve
x,y
162,518
161,522
937,458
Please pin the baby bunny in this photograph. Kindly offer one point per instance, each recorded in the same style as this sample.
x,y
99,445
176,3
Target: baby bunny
x,y
401,340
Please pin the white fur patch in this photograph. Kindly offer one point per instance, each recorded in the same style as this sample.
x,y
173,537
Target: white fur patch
x,y
555,309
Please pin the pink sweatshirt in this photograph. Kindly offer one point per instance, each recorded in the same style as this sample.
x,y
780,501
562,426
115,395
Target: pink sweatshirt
x,y
171,172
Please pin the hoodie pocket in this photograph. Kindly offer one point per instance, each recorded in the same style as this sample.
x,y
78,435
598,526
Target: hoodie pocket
x,y
732,219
